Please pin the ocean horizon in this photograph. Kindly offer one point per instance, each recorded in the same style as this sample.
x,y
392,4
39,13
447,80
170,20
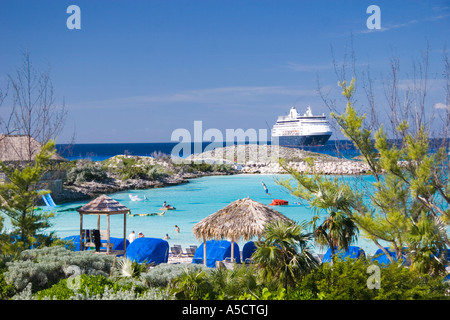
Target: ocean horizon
x,y
103,151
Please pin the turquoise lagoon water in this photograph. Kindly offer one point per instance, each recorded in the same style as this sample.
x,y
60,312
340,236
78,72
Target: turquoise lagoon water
x,y
193,201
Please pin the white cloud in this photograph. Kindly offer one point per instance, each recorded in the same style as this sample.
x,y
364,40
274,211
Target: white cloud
x,y
308,67
442,106
238,95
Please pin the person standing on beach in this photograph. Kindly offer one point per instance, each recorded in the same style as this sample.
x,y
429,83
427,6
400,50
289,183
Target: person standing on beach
x,y
132,236
265,188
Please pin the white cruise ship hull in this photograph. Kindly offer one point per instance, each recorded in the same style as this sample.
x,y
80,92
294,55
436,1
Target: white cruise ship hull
x,y
297,141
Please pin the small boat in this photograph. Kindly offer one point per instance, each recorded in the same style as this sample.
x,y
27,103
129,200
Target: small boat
x,y
279,202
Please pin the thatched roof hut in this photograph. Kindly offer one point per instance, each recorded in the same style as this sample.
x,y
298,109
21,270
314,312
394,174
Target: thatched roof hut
x,y
244,218
103,205
21,148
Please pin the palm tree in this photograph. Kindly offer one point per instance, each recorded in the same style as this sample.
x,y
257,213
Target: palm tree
x,y
284,256
337,231
328,195
192,285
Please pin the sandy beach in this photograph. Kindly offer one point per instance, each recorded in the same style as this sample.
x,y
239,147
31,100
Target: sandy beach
x,y
176,260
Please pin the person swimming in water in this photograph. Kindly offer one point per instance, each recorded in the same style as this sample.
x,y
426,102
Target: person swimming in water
x,y
265,188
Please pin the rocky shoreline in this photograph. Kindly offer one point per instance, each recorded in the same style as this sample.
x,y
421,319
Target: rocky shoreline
x,y
342,167
92,189
264,159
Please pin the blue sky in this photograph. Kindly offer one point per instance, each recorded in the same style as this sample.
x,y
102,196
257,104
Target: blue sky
x,y
138,70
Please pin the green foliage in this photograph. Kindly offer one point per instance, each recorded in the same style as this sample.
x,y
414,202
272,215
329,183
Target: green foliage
x,y
284,255
326,195
406,205
85,171
127,167
19,194
83,285
163,274
341,280
232,284
347,280
125,268
192,285
6,290
58,291
265,294
194,167
44,267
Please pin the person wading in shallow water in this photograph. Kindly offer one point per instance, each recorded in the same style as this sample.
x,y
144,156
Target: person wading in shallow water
x,y
177,229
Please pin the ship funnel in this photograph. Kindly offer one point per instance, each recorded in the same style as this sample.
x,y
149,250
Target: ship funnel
x,y
293,113
308,112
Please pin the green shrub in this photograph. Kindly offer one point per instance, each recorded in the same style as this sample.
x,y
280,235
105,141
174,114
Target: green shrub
x,y
163,274
221,168
97,288
347,280
44,267
66,288
85,172
192,285
59,291
342,280
401,283
234,283
6,290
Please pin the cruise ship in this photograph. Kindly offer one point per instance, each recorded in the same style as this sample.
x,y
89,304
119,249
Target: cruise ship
x,y
296,130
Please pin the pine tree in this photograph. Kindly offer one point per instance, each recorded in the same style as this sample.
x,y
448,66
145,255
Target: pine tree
x,y
18,196
406,205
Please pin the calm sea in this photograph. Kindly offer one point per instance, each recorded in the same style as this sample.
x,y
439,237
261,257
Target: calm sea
x,y
193,201
102,151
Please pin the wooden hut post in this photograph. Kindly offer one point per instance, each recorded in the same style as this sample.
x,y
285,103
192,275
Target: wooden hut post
x,y
204,251
81,231
107,233
125,234
98,222
232,249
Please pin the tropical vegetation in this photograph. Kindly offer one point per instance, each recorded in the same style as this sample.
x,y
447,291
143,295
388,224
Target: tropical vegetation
x,y
406,206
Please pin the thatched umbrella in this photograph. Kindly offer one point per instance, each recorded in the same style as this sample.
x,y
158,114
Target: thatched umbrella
x,y
104,205
244,218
